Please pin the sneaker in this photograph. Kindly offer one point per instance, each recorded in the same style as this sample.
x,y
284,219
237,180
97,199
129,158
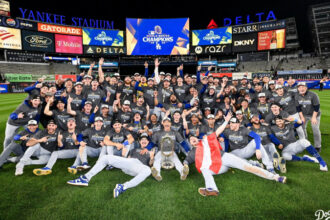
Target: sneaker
x,y
318,149
19,171
310,159
82,167
81,181
119,189
282,165
281,179
276,159
208,192
72,169
42,171
324,167
185,172
155,174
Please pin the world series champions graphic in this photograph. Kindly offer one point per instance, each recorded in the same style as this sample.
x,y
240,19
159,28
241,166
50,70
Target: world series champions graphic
x,y
212,36
157,36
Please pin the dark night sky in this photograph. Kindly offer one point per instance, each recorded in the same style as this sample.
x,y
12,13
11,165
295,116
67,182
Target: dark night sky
x,y
200,12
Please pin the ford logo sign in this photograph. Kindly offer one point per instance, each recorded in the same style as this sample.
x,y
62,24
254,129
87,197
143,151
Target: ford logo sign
x,y
37,39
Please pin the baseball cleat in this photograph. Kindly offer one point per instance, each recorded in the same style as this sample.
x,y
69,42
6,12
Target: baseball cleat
x,y
82,167
19,171
281,179
42,171
310,159
276,159
81,181
72,169
282,165
119,189
155,174
185,172
208,192
324,167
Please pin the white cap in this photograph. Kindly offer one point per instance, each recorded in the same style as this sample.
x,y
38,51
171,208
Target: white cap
x,y
239,112
278,86
301,84
262,94
210,116
271,82
126,102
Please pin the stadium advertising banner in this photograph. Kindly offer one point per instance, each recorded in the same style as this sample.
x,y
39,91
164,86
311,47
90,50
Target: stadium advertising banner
x,y
38,41
270,40
68,44
212,36
18,77
3,88
58,29
208,63
18,23
272,25
98,37
241,29
212,49
219,75
245,42
72,77
157,36
241,75
104,50
10,38
224,65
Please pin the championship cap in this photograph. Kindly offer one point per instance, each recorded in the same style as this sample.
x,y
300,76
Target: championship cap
x,y
32,122
234,120
210,116
262,94
276,103
51,122
104,106
78,83
238,112
301,84
116,74
212,87
136,74
207,108
99,119
88,76
166,119
151,79
166,79
126,102
144,135
162,73
116,121
194,76
71,119
168,74
34,97
278,87
253,115
88,102
60,101
272,82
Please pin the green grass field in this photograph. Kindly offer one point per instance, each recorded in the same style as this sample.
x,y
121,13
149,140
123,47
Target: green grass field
x,y
242,195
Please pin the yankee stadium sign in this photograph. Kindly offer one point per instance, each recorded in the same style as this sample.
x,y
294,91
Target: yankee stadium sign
x,y
63,20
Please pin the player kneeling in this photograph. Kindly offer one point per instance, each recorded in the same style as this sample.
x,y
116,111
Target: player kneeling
x,y
136,165
210,159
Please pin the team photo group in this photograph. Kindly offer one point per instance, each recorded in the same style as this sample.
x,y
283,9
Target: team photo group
x,y
154,120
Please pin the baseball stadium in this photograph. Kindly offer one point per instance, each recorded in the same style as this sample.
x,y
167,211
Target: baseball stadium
x,y
164,110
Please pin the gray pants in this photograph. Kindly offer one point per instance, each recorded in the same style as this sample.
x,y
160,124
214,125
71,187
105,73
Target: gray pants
x,y
174,158
250,149
315,129
270,149
300,130
111,150
10,132
229,160
63,154
36,150
91,152
11,148
295,148
130,166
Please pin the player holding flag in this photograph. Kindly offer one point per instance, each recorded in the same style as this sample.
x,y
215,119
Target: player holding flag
x,y
210,159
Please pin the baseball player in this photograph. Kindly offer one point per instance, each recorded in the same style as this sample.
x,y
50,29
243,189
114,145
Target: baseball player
x,y
308,106
136,165
210,159
60,114
28,110
42,144
239,144
288,142
67,148
19,145
157,139
91,143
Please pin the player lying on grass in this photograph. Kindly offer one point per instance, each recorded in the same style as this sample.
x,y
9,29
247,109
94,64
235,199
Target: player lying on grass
x,y
210,159
136,165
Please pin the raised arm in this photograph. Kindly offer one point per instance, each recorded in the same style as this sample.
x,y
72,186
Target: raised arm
x,y
223,126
